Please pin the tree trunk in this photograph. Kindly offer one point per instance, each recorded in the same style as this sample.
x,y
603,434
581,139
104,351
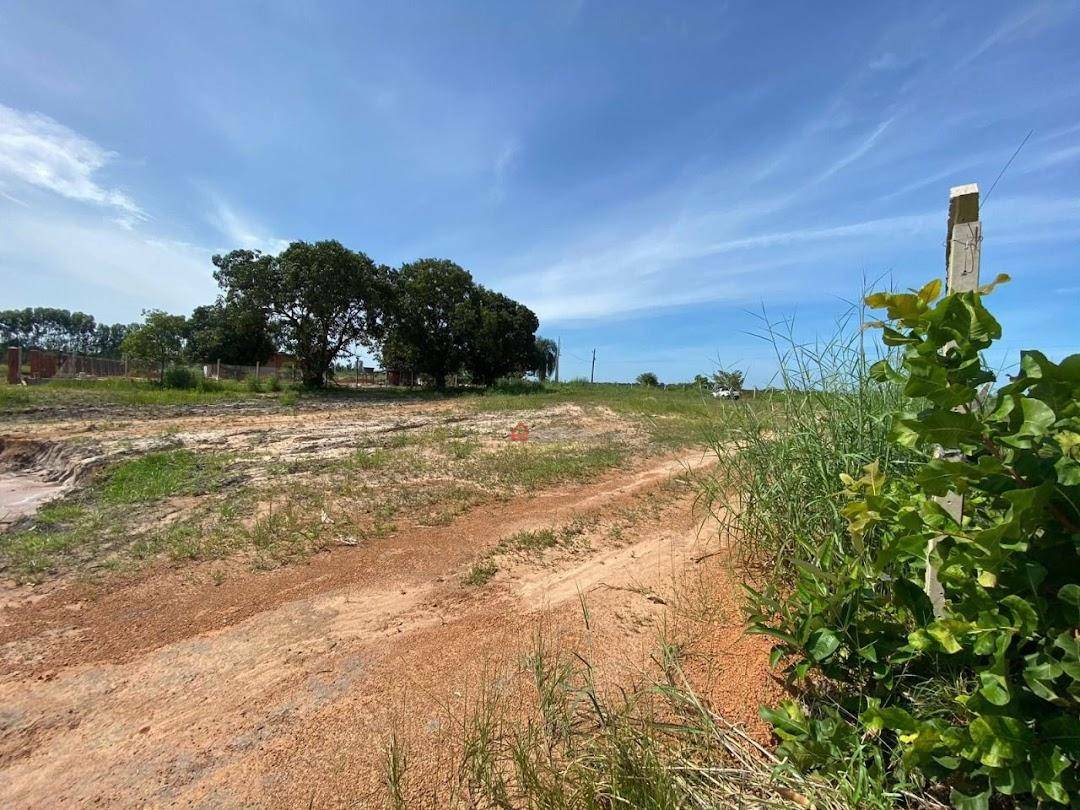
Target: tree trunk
x,y
440,380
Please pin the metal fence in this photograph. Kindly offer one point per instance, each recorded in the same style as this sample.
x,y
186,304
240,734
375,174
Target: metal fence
x,y
224,371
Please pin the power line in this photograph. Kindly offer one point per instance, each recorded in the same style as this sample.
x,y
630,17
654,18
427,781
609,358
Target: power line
x,y
1005,168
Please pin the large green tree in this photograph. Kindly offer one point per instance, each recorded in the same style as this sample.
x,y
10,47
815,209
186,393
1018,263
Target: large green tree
x,y
502,337
324,298
232,333
161,338
432,320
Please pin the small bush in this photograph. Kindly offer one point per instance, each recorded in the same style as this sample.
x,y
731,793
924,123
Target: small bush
x,y
648,379
208,385
274,384
253,384
179,377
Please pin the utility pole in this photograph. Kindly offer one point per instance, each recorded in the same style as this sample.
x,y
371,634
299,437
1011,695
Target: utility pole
x,y
558,357
592,373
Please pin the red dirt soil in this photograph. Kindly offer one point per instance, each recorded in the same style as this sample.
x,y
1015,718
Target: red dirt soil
x,y
280,688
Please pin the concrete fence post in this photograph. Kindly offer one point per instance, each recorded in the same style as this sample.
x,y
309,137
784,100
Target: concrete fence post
x,y
963,244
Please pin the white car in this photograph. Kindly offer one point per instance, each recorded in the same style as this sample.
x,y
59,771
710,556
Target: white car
x,y
725,393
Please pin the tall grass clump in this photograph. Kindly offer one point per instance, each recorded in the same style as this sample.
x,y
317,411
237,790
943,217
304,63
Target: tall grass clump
x,y
776,488
573,747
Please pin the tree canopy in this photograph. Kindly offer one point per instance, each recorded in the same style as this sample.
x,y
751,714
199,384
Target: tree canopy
x,y
321,302
441,322
502,340
732,380
56,329
232,333
322,297
648,379
161,338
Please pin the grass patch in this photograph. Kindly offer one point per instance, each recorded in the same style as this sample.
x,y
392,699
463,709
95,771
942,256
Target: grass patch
x,y
364,459
74,393
480,573
532,541
531,467
673,418
161,475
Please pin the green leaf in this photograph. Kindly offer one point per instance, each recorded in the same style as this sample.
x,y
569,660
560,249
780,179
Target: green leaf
x,y
1024,615
964,801
945,632
1000,278
997,741
881,371
1048,765
894,718
1040,673
1038,418
823,643
994,688
930,291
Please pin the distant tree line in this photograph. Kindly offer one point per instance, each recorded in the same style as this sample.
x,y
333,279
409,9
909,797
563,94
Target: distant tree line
x,y
319,302
60,330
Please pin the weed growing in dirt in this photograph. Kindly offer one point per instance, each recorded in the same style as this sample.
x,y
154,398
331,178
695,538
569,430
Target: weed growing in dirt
x,y
480,573
460,450
536,466
61,531
161,475
60,514
530,541
656,746
364,459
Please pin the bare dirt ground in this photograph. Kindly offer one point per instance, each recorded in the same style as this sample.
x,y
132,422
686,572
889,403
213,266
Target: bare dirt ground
x,y
174,685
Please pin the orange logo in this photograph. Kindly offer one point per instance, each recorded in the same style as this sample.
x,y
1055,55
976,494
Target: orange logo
x,y
520,433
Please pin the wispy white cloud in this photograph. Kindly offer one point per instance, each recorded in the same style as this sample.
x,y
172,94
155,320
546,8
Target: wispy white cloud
x,y
861,149
240,231
38,151
503,164
87,258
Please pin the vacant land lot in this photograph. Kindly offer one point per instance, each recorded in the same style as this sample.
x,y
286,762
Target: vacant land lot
x,y
237,598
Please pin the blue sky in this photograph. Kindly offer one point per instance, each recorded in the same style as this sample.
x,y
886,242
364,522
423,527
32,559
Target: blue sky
x,y
645,176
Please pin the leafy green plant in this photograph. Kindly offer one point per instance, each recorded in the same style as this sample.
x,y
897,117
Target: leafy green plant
x,y
179,377
979,691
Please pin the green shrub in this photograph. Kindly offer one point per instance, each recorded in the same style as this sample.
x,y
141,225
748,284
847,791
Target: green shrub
x,y
979,692
253,384
208,385
516,385
274,384
179,377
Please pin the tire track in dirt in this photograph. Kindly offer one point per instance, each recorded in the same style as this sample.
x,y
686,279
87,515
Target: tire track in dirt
x,y
171,690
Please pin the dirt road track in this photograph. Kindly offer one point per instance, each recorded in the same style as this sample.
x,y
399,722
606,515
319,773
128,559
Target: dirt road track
x,y
279,688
